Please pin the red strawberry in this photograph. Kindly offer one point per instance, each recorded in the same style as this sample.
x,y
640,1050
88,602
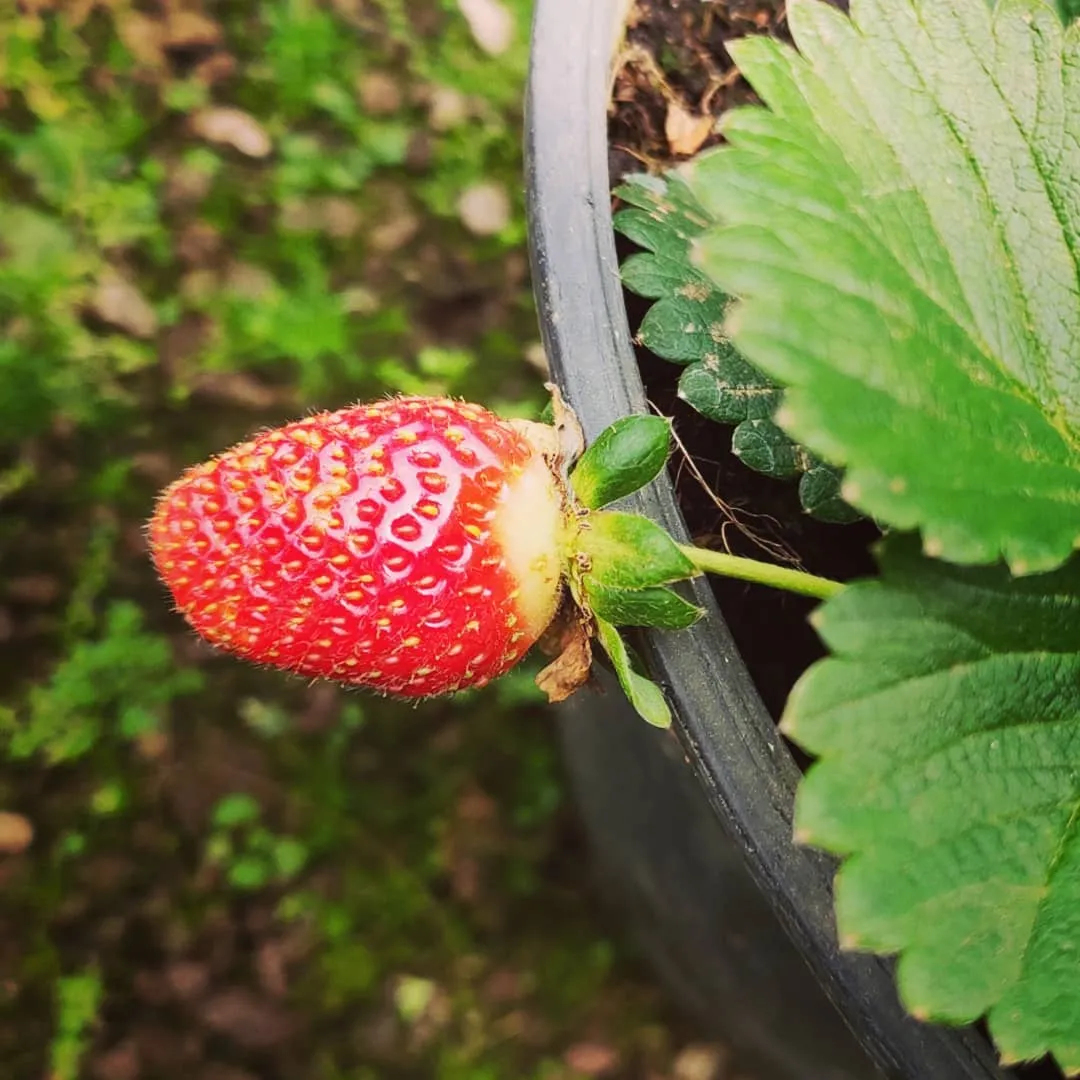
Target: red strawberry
x,y
414,546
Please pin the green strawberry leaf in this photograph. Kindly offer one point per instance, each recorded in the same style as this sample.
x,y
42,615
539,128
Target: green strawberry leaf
x,y
624,457
820,494
646,697
687,321
764,447
686,324
628,551
727,389
685,327
654,606
901,224
947,731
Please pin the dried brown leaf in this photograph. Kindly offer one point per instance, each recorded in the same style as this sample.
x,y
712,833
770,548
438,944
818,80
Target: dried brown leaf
x,y
569,671
686,131
143,37
484,208
118,302
190,29
16,833
490,23
380,93
591,1058
227,126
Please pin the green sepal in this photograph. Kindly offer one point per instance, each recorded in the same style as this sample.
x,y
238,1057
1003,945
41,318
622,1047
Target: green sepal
x,y
627,551
623,458
654,606
646,697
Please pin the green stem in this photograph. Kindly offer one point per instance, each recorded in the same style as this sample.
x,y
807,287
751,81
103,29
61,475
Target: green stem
x,y
762,573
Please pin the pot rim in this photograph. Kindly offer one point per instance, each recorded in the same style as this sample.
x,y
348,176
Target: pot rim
x,y
732,744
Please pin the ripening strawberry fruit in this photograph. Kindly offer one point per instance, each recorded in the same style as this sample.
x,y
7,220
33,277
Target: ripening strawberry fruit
x,y
413,546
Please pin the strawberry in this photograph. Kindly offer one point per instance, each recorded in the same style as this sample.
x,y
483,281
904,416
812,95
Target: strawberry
x,y
413,546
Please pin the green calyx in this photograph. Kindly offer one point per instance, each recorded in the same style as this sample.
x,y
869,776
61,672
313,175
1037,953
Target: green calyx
x,y
620,566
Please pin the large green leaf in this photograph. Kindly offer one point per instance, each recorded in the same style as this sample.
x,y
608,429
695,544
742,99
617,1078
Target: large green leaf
x,y
903,224
686,326
947,727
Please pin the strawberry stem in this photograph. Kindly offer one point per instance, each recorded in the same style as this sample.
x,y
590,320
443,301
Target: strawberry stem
x,y
762,573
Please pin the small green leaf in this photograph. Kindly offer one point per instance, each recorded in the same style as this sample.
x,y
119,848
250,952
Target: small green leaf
x,y
727,389
946,729
764,447
668,199
646,697
237,808
819,492
654,606
686,324
685,327
623,458
645,229
249,872
289,856
654,276
665,218
627,551
907,257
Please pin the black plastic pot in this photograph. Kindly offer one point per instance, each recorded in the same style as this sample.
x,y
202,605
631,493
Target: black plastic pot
x,y
693,834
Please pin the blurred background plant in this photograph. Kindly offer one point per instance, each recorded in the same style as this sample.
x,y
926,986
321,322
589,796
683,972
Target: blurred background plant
x,y
213,217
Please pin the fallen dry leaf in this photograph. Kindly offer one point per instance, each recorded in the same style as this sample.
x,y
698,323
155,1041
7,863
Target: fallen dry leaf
x,y
198,243
484,208
447,108
190,29
394,233
591,1058
236,388
143,37
249,280
699,1061
249,1019
685,131
227,126
16,833
490,23
380,94
118,302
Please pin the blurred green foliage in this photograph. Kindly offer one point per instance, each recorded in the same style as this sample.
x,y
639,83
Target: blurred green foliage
x,y
104,159
78,998
120,682
210,222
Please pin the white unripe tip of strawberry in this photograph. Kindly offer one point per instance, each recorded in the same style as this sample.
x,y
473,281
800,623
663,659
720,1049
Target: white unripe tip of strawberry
x,y
531,529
